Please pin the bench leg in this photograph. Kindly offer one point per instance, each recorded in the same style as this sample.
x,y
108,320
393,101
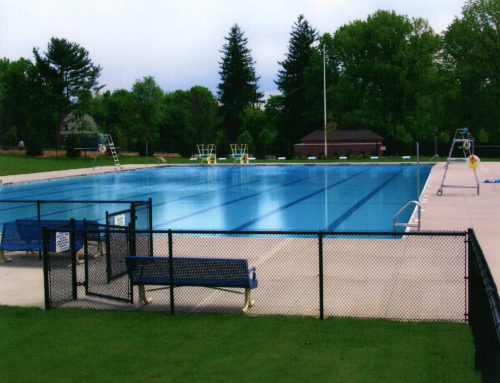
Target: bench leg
x,y
248,301
5,259
100,249
142,295
78,254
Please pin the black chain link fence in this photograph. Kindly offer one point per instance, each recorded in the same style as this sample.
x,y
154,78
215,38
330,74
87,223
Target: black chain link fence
x,y
484,313
415,276
11,210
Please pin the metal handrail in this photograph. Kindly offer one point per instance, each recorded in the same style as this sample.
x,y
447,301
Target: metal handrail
x,y
417,225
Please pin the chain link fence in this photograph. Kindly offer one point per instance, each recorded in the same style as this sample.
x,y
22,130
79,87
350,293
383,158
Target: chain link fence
x,y
484,313
11,210
22,221
415,276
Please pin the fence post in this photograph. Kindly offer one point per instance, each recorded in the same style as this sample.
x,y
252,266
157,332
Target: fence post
x,y
132,215
133,249
131,239
72,252
171,272
468,252
321,298
150,208
38,210
107,245
45,255
86,256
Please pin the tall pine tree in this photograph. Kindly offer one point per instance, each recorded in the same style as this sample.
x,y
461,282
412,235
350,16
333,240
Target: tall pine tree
x,y
68,70
291,82
238,86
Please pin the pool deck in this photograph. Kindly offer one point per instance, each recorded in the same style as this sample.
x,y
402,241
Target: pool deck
x,y
461,208
21,281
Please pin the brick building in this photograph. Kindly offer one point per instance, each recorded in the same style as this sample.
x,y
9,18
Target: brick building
x,y
340,142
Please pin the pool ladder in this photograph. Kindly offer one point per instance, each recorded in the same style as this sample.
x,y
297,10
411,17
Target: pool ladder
x,y
399,224
112,149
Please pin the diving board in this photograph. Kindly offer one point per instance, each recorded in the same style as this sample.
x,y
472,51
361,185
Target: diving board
x,y
239,153
206,152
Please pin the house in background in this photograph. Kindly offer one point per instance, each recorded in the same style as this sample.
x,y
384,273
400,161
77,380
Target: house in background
x,y
77,123
340,142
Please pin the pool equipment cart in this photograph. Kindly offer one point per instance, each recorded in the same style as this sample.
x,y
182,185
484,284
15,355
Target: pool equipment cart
x,y
206,152
464,142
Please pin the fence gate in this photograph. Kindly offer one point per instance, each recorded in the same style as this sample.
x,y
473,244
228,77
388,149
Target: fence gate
x,y
105,270
137,217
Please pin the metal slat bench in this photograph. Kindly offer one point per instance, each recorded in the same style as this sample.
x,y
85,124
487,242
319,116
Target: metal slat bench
x,y
203,272
26,235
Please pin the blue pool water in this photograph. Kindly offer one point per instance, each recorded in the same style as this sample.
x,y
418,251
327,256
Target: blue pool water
x,y
329,198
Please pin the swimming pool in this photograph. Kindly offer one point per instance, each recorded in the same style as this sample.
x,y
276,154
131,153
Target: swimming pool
x,y
329,198
306,198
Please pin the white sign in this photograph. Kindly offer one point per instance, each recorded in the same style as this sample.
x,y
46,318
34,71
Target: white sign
x,y
120,220
62,241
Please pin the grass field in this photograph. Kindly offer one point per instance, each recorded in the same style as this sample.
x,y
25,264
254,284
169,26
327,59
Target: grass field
x,y
75,345
19,164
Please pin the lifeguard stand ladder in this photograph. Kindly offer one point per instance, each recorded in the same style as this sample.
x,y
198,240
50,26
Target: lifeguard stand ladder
x,y
240,153
465,142
206,152
112,149
107,140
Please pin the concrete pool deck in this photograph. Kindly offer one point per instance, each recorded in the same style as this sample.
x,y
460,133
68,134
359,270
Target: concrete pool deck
x,y
21,281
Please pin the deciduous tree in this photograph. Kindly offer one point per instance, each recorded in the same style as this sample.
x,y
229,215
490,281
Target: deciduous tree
x,y
471,54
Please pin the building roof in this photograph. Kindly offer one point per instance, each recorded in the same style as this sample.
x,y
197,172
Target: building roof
x,y
75,123
342,136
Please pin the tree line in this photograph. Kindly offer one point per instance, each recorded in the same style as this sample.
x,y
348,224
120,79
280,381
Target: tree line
x,y
388,73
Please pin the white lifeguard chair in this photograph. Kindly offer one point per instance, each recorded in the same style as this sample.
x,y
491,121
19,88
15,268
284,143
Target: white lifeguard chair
x,y
462,148
239,153
206,152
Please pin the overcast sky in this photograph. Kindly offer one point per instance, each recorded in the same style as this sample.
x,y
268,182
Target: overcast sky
x,y
179,42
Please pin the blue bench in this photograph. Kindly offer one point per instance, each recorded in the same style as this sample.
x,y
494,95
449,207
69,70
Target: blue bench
x,y
204,272
26,235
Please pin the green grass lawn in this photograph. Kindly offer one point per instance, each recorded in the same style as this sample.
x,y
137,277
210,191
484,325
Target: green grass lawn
x,y
19,164
75,345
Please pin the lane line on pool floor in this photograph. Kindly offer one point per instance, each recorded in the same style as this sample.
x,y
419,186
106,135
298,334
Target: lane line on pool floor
x,y
292,203
58,212
361,202
233,201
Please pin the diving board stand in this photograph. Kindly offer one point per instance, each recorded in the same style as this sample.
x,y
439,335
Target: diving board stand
x,y
206,152
239,153
462,149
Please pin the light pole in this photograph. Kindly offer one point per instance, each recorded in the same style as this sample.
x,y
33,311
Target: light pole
x,y
324,98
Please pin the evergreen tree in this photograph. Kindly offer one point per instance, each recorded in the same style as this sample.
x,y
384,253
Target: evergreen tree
x,y
291,82
238,86
67,69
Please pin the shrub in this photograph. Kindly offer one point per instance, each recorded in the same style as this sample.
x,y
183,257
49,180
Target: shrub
x,y
72,142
